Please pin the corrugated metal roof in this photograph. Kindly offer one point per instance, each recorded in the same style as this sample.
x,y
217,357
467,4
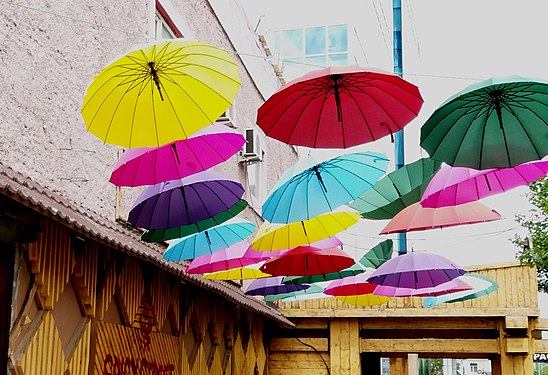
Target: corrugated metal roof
x,y
21,188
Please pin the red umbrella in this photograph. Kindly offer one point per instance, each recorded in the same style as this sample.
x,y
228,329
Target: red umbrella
x,y
351,286
416,217
339,107
306,261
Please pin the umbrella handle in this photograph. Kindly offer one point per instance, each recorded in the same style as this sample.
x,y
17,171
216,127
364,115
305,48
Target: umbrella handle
x,y
155,78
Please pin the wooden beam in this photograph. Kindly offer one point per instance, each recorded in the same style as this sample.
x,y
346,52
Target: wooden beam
x,y
409,312
424,346
311,323
541,324
464,323
513,322
294,344
541,346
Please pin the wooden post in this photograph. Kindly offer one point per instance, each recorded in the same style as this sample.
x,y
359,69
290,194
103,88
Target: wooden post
x,y
398,366
413,364
344,347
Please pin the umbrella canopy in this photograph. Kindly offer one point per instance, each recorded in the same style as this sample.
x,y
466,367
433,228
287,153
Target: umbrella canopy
x,y
497,123
307,260
312,289
271,285
455,285
151,165
159,235
185,201
272,237
208,241
481,286
160,93
243,273
379,254
416,217
339,107
364,299
350,286
324,187
355,269
397,190
457,185
222,260
416,271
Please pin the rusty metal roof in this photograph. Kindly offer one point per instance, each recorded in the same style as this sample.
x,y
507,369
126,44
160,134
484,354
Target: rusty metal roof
x,y
53,205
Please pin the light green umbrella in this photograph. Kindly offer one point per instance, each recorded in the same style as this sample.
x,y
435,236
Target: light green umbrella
x,y
497,123
396,191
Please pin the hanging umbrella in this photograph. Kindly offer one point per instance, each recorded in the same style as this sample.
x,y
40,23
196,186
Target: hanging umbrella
x,y
208,241
243,273
312,289
307,260
185,201
497,123
222,260
354,269
455,285
159,235
364,299
324,187
350,286
416,271
457,185
151,165
481,286
271,285
339,107
397,190
305,296
160,93
416,217
286,236
378,254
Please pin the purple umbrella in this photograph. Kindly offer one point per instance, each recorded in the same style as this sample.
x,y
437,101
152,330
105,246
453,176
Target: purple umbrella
x,y
151,165
185,201
416,271
452,186
455,285
272,285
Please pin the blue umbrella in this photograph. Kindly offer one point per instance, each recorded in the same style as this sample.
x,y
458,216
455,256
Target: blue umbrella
x,y
208,241
324,186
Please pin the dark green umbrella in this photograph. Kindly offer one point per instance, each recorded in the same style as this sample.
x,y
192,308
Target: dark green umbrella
x,y
497,123
378,254
397,190
158,235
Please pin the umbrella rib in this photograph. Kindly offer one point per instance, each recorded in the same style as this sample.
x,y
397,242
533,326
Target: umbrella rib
x,y
359,107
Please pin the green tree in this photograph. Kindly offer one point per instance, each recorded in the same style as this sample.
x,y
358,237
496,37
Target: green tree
x,y
534,247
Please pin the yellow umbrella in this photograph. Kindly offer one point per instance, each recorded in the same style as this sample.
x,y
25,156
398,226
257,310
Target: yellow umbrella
x,y
271,237
241,273
160,93
364,299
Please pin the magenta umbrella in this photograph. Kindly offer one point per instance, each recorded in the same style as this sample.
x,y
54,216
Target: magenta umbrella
x,y
185,201
416,271
452,286
151,165
452,186
222,260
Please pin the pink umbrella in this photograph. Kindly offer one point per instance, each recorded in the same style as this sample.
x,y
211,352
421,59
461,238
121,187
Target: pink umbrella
x,y
151,165
226,259
351,286
452,186
455,285
416,217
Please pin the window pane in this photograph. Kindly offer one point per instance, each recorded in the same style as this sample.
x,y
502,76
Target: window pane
x,y
315,40
291,43
315,62
338,60
338,38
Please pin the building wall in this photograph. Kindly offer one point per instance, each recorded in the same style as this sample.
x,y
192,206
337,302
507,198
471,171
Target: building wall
x,y
50,52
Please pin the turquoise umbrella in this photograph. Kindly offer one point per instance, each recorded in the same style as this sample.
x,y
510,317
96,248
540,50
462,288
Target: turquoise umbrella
x,y
397,190
323,187
481,286
312,289
497,123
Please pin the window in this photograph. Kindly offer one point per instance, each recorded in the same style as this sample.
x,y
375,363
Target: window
x,y
473,367
164,26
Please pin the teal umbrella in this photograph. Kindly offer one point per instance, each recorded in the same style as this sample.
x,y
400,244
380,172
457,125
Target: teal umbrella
x,y
355,269
397,190
379,254
481,286
159,235
312,289
497,123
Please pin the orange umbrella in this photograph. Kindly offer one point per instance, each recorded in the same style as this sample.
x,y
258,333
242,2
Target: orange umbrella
x,y
416,217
